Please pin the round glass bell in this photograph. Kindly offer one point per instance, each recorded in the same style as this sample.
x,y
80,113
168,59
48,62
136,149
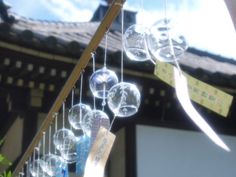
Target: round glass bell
x,y
93,121
134,41
51,163
35,168
101,81
69,154
165,42
59,136
124,99
76,114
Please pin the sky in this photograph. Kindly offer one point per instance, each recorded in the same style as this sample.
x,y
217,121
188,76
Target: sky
x,y
206,24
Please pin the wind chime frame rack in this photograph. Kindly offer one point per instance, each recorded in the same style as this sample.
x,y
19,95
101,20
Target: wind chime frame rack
x,y
110,16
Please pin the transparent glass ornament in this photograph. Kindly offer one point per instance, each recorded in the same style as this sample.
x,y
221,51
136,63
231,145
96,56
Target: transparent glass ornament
x,y
124,99
101,81
135,45
59,136
69,154
76,114
35,168
165,42
93,121
50,164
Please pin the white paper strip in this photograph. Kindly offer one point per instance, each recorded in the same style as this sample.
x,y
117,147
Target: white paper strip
x,y
184,99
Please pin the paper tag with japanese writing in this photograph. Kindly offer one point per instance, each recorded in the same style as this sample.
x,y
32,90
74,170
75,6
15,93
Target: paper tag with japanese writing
x,y
200,92
99,153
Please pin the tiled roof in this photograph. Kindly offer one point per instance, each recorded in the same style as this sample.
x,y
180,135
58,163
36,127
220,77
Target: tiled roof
x,y
71,38
63,33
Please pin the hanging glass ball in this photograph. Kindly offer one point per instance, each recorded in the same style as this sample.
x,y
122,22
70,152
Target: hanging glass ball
x,y
69,154
165,41
51,163
76,114
124,99
93,121
101,81
35,168
59,136
134,42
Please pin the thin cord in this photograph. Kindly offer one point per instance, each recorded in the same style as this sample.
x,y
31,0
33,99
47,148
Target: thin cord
x,y
72,103
122,42
43,143
39,145
93,56
81,87
104,97
43,148
72,97
29,162
27,168
105,64
165,10
112,122
34,161
49,138
55,150
169,39
63,115
94,99
105,53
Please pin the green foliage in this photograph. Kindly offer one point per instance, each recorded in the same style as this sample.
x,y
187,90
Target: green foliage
x,y
4,161
6,174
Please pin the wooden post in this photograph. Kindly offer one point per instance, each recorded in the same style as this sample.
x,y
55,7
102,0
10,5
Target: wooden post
x,y
80,66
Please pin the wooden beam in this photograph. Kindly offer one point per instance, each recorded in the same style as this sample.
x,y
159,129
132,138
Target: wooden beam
x,y
80,66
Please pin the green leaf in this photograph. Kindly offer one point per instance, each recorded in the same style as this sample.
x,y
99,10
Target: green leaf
x,y
2,158
1,142
9,174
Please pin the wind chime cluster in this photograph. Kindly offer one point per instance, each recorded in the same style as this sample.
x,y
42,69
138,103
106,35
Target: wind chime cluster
x,y
163,42
72,144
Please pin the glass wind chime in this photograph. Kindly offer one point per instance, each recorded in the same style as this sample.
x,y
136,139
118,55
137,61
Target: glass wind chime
x,y
164,42
62,145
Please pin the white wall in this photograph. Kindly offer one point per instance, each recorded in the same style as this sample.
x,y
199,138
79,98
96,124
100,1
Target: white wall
x,y
163,152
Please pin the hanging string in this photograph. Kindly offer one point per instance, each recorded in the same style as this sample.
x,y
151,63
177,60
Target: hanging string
x,y
72,102
81,87
105,53
93,57
104,97
63,115
34,160
80,95
49,138
141,10
28,164
172,51
105,62
43,148
56,117
72,97
122,42
112,122
39,145
94,99
27,168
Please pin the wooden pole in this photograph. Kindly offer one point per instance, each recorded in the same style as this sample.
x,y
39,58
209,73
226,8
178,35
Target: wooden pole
x,y
80,66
